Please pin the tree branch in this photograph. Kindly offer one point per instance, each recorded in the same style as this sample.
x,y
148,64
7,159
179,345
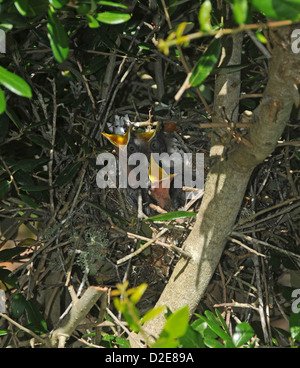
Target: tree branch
x,y
79,310
227,181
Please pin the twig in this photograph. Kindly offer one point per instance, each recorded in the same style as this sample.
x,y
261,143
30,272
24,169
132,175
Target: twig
x,y
85,81
261,242
37,337
118,322
12,180
52,81
142,248
259,45
243,223
168,246
225,31
246,247
80,309
235,305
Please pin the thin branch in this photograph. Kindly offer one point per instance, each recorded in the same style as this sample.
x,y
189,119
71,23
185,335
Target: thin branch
x,y
141,249
37,337
79,310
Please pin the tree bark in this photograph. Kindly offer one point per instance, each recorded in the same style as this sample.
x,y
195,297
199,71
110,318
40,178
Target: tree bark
x,y
227,181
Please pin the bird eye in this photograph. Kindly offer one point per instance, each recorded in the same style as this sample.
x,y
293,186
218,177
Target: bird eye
x,y
154,146
131,148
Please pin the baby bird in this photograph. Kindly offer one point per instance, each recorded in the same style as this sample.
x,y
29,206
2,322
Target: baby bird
x,y
147,143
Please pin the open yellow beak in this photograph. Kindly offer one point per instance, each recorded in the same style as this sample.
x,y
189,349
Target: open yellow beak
x,y
117,139
157,174
122,140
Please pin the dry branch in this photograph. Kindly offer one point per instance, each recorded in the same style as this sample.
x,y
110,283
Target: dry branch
x,y
79,310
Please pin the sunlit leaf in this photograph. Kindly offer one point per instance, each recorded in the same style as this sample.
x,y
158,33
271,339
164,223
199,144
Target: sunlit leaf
x,y
152,313
204,16
177,323
113,4
242,334
240,10
294,322
58,38
206,63
58,3
171,216
113,17
278,9
14,83
138,293
2,102
92,22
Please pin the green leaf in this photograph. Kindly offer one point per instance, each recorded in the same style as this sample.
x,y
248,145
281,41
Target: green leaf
x,y
113,17
8,254
13,117
4,188
34,317
122,342
83,9
261,38
23,7
202,327
8,279
295,326
240,10
18,306
58,3
214,324
67,175
204,16
29,164
165,343
92,22
4,332
171,216
191,339
14,83
58,38
138,293
278,9
111,3
176,325
34,188
206,63
222,321
212,343
31,8
29,201
153,312
40,141
242,334
2,102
